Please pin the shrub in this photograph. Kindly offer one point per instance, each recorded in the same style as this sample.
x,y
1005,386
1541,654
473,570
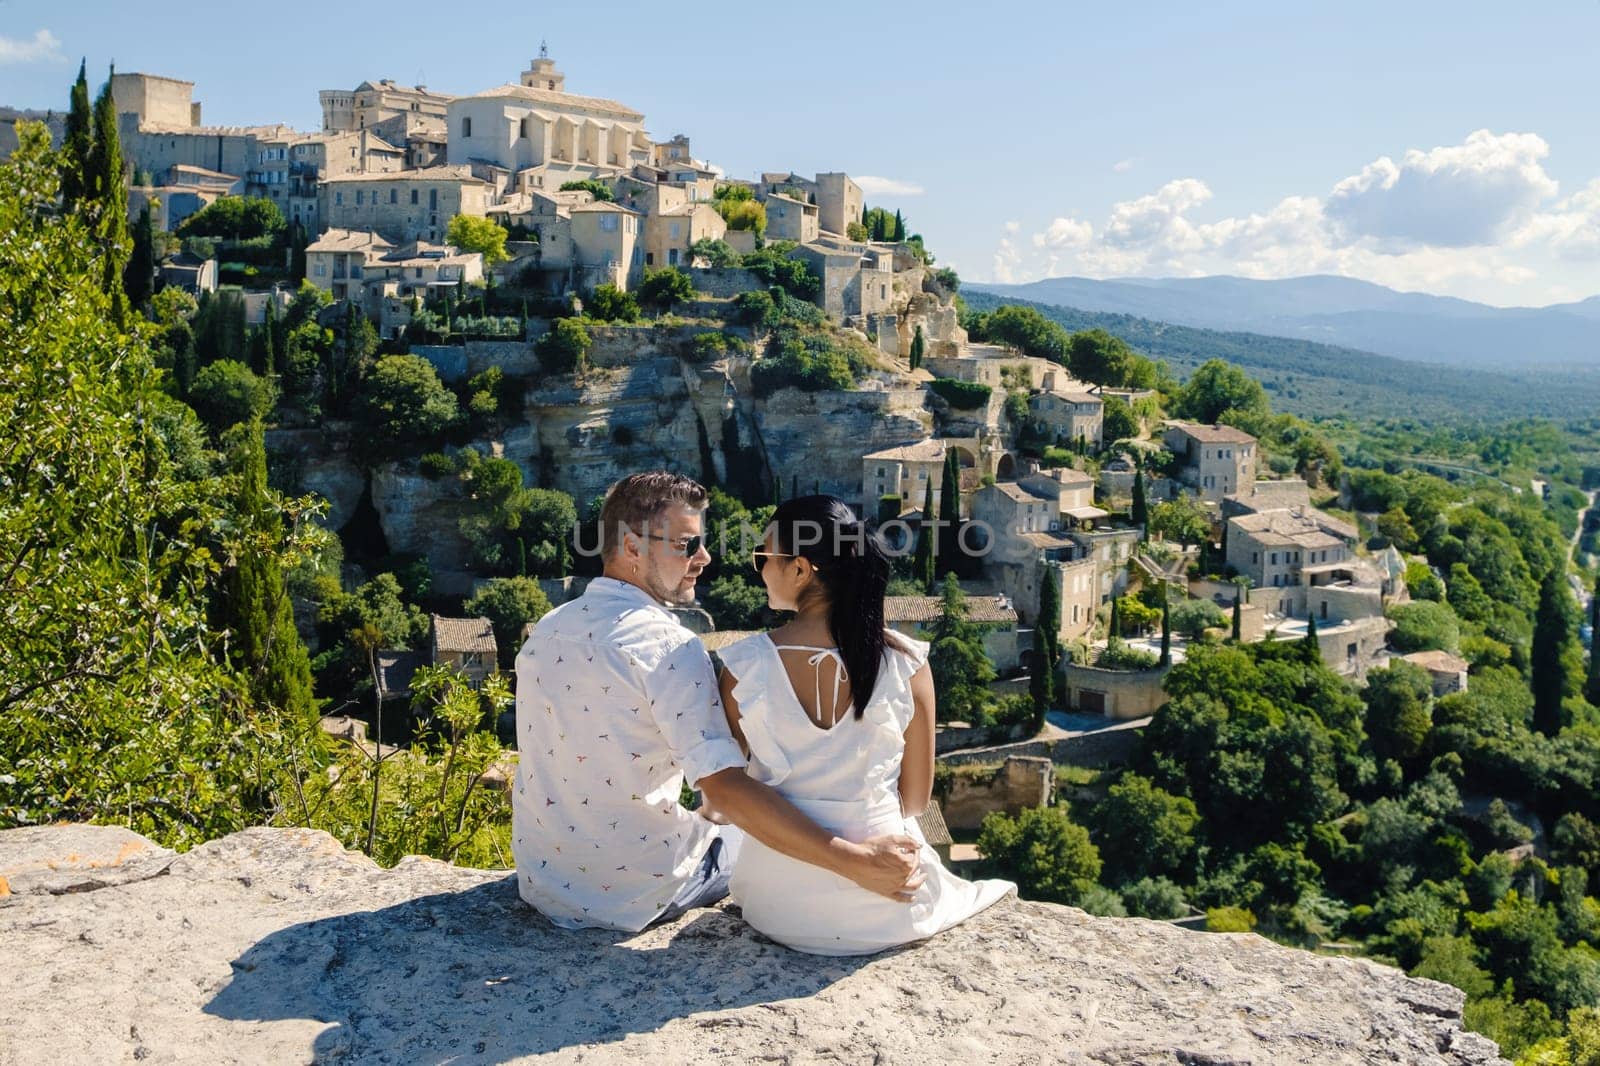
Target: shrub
x,y
566,347
610,304
1043,851
1424,626
599,189
509,603
1154,897
436,464
714,252
665,287
403,401
1120,656
962,395
812,361
773,265
1229,920
227,393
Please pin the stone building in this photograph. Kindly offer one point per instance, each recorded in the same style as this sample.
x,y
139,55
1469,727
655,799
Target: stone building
x,y
904,471
179,192
362,266
605,246
1447,672
789,219
374,103
407,205
290,167
467,644
1069,415
1215,461
537,123
839,202
858,280
995,617
155,100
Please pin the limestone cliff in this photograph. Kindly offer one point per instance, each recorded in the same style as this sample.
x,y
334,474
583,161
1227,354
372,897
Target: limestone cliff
x,y
278,946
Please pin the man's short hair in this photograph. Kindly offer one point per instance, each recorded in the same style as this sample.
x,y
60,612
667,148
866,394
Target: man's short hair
x,y
637,502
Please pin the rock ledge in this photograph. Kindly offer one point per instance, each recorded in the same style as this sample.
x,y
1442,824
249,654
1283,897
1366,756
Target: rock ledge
x,y
273,946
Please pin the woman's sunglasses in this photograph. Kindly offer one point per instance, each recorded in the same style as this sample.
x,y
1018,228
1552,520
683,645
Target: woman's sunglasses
x,y
758,560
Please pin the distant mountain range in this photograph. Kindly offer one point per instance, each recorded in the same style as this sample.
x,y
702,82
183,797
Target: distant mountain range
x,y
1343,312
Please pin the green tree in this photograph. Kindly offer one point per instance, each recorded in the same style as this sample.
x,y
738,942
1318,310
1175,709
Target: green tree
x,y
922,561
918,346
139,277
611,304
961,669
664,288
1046,643
77,148
1048,855
227,393
1238,612
509,603
1140,512
1554,648
237,218
598,189
1182,520
113,689
1591,687
1104,359
1424,626
949,513
1217,388
513,529
1118,421
1028,331
107,190
254,606
735,603
1193,617
715,253
1144,831
403,403
1310,646
1399,709
471,233
565,349
1166,627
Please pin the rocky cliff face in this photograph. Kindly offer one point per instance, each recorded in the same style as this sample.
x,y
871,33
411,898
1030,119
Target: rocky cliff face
x,y
276,946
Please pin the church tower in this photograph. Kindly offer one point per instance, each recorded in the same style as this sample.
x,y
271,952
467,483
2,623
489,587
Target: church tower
x,y
542,73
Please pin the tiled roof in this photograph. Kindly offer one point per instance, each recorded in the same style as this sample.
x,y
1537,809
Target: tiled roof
x,y
448,173
1213,434
395,667
349,240
463,635
926,609
931,822
1441,662
922,451
563,99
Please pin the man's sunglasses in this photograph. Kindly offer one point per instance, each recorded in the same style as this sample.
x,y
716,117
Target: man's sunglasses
x,y
689,548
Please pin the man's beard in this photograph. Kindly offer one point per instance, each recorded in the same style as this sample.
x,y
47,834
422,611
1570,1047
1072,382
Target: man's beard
x,y
672,595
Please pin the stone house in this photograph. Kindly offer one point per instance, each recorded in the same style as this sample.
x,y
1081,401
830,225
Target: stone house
x,y
605,246
337,260
1214,461
189,272
382,277
789,219
1069,414
915,616
181,191
1447,672
536,123
467,644
381,102
156,100
904,471
290,168
839,202
1275,549
858,280
410,205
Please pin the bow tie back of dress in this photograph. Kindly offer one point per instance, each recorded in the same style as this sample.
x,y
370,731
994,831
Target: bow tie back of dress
x,y
840,678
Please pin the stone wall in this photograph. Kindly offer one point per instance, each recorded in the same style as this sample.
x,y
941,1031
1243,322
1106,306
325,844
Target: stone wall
x,y
1117,694
724,282
1113,746
1020,782
279,946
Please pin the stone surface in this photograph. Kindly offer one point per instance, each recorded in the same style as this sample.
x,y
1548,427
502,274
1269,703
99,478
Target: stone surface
x,y
278,946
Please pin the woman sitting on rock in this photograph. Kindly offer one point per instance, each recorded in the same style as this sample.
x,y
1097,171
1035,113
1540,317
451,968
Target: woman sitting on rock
x,y
836,713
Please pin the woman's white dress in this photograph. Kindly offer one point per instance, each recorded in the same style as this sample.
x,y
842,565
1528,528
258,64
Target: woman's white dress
x,y
846,779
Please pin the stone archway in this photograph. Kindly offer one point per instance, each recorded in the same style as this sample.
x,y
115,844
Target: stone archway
x,y
964,456
1006,469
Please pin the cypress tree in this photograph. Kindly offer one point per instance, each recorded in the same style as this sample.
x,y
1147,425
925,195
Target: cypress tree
x,y
1311,649
1166,628
1591,688
297,254
922,561
78,144
949,512
269,343
1141,507
917,347
1046,643
899,227
1114,627
139,278
105,190
1237,614
256,608
1552,636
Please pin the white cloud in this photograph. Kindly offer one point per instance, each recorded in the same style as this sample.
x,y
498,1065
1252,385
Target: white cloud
x,y
1013,226
43,47
1122,166
1474,218
1453,196
876,186
1064,233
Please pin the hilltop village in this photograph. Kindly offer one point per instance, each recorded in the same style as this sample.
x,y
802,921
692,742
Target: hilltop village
x,y
600,301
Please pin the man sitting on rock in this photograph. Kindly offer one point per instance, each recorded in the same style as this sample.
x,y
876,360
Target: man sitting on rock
x,y
617,704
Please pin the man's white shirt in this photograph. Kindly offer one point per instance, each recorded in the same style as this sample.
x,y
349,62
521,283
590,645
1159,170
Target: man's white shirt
x,y
616,704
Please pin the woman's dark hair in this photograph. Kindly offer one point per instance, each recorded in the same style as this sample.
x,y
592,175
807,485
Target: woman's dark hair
x,y
853,568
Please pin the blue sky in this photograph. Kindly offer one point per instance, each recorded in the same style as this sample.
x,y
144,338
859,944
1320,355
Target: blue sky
x,y
1430,147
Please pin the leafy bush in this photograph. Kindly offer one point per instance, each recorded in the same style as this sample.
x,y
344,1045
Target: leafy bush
x,y
227,393
566,347
774,266
665,287
436,464
1154,897
1043,851
235,217
962,395
509,603
715,253
1229,920
473,233
809,360
598,189
610,304
1424,626
1193,617
403,402
1120,656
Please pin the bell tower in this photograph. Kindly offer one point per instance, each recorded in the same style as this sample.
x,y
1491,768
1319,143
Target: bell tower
x,y
542,73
